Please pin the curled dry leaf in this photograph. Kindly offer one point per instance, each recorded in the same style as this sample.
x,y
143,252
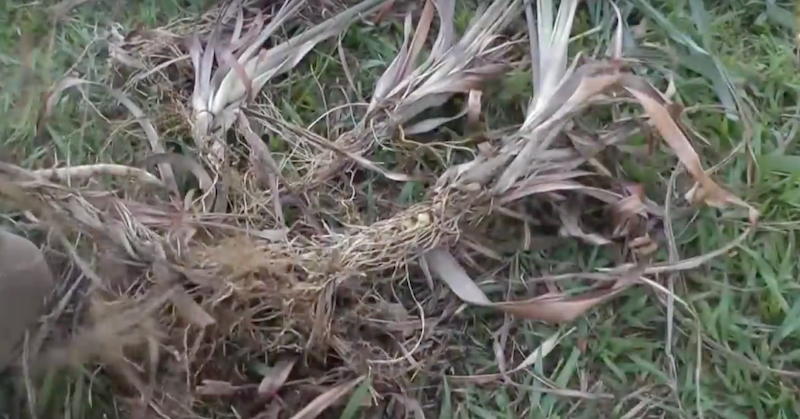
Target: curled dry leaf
x,y
547,308
656,107
629,215
643,245
570,226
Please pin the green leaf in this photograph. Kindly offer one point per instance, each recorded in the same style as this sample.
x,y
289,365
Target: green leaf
x,y
702,21
676,34
779,15
780,163
360,394
446,411
700,57
767,274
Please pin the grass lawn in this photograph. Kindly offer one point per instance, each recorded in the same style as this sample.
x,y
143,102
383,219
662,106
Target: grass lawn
x,y
724,344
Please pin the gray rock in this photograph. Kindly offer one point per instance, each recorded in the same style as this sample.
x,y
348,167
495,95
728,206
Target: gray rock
x,y
25,283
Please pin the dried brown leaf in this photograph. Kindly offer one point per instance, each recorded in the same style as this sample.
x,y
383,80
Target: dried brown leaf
x,y
557,308
643,245
420,36
274,380
326,400
188,164
189,309
544,349
574,94
548,308
265,165
431,124
216,388
629,210
657,108
474,109
446,36
570,225
383,12
411,406
392,75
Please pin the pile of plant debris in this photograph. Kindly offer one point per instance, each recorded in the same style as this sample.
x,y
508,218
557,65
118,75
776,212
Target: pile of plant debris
x,y
253,243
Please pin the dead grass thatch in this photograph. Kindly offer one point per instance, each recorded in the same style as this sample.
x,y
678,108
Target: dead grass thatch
x,y
220,276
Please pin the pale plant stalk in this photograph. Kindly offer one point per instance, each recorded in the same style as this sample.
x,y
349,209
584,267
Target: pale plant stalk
x,y
84,172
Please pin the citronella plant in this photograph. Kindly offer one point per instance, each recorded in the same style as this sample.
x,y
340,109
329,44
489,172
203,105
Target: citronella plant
x,y
408,88
244,66
450,68
529,163
549,31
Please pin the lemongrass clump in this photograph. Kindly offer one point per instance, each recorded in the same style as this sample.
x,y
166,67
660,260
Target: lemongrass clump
x,y
560,93
243,67
528,161
539,159
408,88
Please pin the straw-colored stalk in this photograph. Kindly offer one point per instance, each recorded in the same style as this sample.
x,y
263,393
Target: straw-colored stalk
x,y
357,250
